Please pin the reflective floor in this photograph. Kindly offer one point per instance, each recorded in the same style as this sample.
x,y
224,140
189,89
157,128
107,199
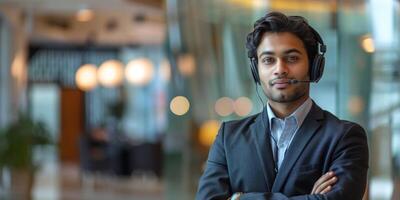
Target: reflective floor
x,y
65,182
57,181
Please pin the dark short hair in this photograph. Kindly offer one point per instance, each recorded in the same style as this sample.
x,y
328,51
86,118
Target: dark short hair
x,y
276,22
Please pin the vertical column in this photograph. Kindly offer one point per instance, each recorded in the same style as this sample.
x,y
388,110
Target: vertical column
x,y
354,68
4,72
385,103
354,79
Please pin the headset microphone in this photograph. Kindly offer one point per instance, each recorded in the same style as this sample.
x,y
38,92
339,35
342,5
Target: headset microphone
x,y
294,81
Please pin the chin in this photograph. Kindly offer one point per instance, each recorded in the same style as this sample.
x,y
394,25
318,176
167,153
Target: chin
x,y
282,97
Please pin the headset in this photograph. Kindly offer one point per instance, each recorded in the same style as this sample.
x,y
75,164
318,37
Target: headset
x,y
316,69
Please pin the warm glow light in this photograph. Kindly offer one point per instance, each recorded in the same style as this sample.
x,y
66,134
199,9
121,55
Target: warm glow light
x,y
243,106
355,105
84,15
139,71
86,77
313,5
367,44
186,65
165,70
110,73
208,131
250,4
224,106
17,68
179,105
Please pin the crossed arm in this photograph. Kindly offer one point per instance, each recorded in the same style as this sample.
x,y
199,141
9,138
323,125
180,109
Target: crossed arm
x,y
321,186
346,179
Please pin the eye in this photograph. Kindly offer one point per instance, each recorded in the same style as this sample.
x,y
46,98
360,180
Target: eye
x,y
292,58
268,60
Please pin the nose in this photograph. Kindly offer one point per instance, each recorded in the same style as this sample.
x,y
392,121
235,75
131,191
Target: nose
x,y
281,68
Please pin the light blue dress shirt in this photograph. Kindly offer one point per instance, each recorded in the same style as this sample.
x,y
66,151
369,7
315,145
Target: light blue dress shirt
x,y
283,130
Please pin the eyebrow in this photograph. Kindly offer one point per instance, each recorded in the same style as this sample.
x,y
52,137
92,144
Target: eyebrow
x,y
285,52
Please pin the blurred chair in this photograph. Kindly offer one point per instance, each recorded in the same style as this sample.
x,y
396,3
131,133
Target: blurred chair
x,y
147,158
94,158
95,155
120,156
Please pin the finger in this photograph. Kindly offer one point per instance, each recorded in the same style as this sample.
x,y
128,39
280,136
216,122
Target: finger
x,y
327,189
326,184
322,179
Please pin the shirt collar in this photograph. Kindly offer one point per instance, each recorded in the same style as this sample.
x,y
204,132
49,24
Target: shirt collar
x,y
299,114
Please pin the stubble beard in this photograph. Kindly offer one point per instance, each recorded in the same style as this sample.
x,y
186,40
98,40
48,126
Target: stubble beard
x,y
286,97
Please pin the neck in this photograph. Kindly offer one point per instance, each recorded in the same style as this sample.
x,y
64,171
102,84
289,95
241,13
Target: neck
x,y
284,109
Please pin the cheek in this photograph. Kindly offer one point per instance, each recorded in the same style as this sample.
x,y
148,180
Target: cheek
x,y
265,78
264,73
301,71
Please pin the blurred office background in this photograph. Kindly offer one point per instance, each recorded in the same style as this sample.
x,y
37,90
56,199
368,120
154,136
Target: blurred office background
x,y
132,91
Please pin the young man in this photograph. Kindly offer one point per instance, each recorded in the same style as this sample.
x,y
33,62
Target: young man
x,y
292,149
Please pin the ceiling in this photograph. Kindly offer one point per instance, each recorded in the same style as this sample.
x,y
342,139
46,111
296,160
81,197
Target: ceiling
x,y
115,22
70,6
143,22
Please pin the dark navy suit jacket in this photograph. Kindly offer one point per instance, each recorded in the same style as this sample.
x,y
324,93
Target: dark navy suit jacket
x,y
240,160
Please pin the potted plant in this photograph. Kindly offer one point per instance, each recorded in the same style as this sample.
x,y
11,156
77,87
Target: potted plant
x,y
17,144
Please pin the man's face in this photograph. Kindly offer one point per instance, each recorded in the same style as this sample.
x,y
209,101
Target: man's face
x,y
282,57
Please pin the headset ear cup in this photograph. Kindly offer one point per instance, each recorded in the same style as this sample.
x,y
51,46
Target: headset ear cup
x,y
254,71
317,68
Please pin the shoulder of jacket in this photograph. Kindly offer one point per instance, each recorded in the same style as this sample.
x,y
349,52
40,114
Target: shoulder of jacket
x,y
236,128
345,125
240,122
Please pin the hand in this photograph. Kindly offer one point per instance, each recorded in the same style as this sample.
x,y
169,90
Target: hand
x,y
324,183
235,196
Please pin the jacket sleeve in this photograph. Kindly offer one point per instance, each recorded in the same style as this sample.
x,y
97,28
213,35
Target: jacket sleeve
x,y
214,183
350,164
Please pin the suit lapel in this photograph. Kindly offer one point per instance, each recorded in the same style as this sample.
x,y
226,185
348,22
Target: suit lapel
x,y
261,140
299,142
